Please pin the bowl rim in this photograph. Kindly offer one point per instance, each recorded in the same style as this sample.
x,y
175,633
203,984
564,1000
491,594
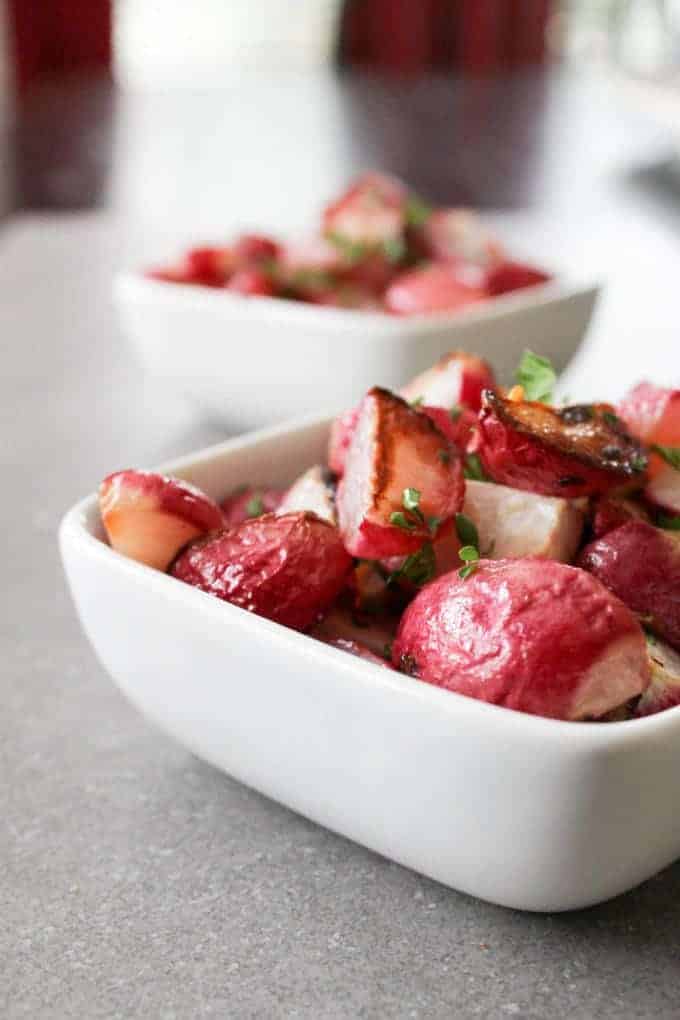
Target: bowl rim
x,y
130,286
77,534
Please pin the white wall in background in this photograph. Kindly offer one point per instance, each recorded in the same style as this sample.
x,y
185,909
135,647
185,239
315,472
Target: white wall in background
x,y
192,44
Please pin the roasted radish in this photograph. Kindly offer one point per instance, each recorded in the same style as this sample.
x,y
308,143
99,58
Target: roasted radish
x,y
249,502
456,381
664,690
458,235
371,212
512,523
641,564
149,517
569,451
289,569
313,491
663,491
435,288
532,635
380,512
340,437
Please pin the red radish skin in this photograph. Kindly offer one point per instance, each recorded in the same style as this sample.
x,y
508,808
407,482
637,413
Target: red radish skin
x,y
663,491
393,448
608,513
530,446
641,565
370,212
209,265
435,288
238,507
459,235
531,635
339,440
456,380
252,283
254,249
149,517
509,276
458,426
664,690
289,569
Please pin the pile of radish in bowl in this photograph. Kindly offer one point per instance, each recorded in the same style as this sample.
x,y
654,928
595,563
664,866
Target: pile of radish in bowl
x,y
480,539
379,248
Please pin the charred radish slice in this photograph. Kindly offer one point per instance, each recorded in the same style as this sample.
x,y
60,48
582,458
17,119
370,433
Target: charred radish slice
x,y
532,635
149,517
380,511
641,565
570,451
289,569
512,523
455,382
664,689
312,491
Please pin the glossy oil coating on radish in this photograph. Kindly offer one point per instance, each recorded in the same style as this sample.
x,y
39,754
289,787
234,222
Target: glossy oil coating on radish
x,y
249,502
395,448
371,211
313,491
434,288
664,689
512,523
532,635
149,517
570,451
456,381
289,569
641,564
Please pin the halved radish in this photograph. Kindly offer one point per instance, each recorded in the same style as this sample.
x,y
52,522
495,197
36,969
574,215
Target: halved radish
x,y
313,491
456,381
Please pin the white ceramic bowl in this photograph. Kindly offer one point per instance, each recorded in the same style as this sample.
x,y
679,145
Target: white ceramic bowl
x,y
519,810
249,362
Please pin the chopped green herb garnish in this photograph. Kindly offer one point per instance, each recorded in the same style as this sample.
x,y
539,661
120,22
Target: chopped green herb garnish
x,y
418,568
455,412
465,572
669,523
467,530
671,454
640,462
394,249
473,469
254,507
469,554
400,520
387,650
417,211
433,524
411,499
418,402
537,377
354,251
611,419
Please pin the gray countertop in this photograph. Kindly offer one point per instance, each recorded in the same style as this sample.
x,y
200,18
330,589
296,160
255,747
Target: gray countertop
x,y
137,882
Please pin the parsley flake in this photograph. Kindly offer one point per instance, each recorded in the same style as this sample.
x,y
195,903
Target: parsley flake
x,y
669,523
467,531
418,402
394,249
418,568
255,506
473,469
417,211
537,377
455,412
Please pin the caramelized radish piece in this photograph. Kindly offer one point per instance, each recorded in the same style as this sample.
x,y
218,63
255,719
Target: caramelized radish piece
x,y
456,381
395,448
149,517
312,491
460,235
512,523
435,288
370,212
529,634
664,689
509,276
641,565
289,569
570,451
249,502
663,490
340,437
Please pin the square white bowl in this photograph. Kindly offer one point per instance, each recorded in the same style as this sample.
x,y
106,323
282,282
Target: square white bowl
x,y
519,810
251,362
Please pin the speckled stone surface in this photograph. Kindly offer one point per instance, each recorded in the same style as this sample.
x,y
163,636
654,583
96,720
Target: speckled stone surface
x,y
137,882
